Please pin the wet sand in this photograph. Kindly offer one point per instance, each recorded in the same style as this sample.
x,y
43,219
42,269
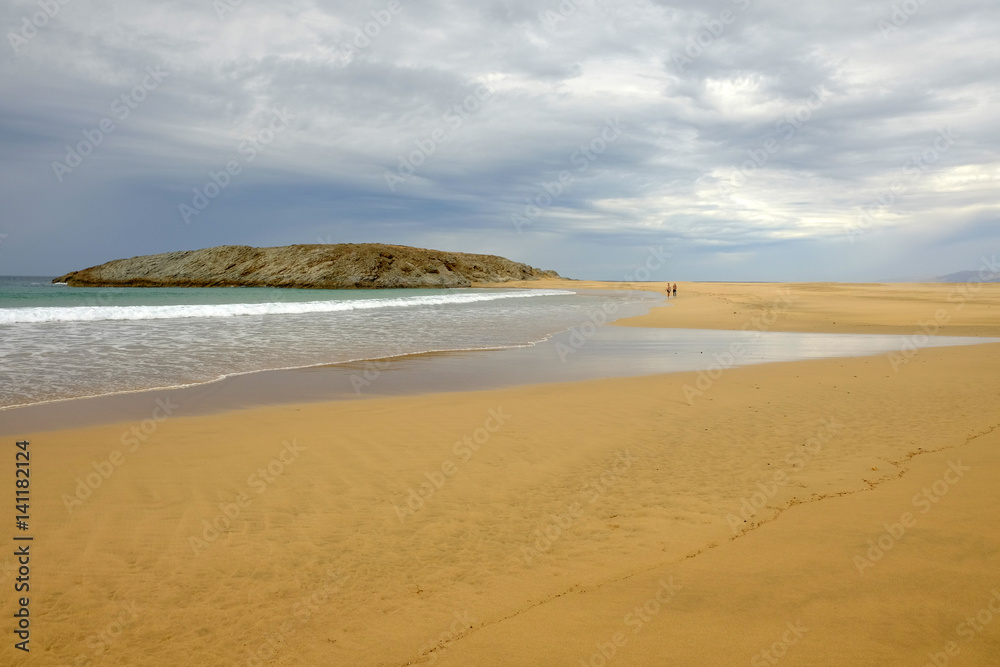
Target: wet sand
x,y
550,524
584,352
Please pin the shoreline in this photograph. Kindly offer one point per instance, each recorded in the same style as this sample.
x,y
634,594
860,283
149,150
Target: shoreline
x,y
249,388
777,307
524,525
581,353
453,371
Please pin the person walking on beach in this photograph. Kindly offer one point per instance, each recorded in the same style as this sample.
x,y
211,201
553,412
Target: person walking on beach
x,y
675,289
668,290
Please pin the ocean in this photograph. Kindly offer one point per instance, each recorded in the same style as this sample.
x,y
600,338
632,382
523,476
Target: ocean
x,y
59,342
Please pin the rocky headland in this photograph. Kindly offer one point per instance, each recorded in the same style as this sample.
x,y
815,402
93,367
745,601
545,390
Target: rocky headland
x,y
319,266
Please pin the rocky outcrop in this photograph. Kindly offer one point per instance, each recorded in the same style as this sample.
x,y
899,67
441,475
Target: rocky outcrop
x,y
336,266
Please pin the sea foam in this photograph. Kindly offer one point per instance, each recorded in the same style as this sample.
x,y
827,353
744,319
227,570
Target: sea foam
x,y
106,313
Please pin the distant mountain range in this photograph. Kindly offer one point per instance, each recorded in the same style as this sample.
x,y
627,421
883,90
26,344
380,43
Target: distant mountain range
x,y
968,277
957,277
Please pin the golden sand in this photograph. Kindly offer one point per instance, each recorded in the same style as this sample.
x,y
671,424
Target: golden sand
x,y
834,512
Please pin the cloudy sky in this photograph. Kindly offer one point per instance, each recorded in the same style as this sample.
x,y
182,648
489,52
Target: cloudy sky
x,y
750,139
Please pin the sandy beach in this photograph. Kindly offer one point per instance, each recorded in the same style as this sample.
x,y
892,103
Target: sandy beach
x,y
831,512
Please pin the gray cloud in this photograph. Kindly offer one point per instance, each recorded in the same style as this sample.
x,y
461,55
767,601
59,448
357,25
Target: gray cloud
x,y
755,134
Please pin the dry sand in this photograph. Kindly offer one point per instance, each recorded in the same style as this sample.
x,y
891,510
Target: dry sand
x,y
569,519
962,309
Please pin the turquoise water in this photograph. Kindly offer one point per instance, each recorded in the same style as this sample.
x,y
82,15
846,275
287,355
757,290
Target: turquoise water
x,y
150,303
59,342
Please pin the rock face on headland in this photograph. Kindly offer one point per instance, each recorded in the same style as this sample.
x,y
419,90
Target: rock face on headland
x,y
336,266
